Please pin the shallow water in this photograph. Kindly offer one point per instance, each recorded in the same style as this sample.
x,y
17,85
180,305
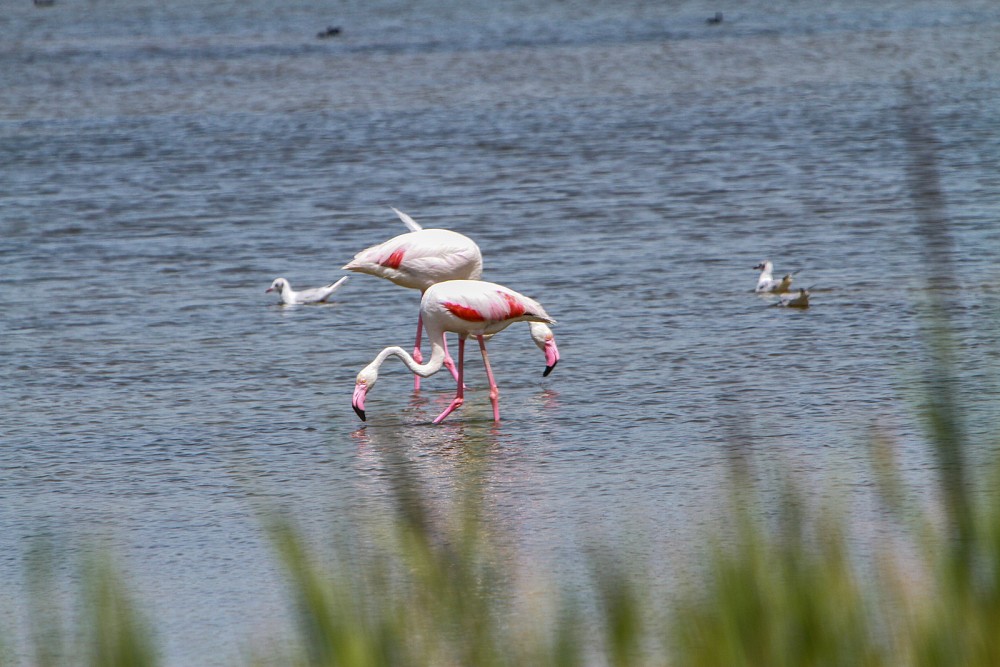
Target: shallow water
x,y
625,165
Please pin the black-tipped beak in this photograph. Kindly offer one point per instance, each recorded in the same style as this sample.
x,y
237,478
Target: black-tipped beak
x,y
358,402
551,355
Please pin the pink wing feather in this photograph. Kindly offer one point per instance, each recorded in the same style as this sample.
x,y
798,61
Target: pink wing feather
x,y
420,259
484,306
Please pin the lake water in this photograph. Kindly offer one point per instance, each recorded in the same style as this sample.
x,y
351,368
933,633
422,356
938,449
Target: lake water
x,y
624,163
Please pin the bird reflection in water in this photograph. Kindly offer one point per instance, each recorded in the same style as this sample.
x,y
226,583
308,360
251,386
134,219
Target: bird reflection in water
x,y
549,399
410,437
406,463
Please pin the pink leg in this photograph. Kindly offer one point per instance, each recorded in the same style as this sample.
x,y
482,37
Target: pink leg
x,y
449,363
494,391
460,393
417,356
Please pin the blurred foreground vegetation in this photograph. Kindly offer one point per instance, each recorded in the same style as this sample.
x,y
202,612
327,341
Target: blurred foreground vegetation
x,y
435,589
432,588
445,590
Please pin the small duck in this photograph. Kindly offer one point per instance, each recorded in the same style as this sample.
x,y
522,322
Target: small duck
x,y
792,300
290,297
766,282
714,20
331,31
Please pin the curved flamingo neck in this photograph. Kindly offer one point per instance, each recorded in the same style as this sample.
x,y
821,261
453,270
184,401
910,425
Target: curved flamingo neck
x,y
432,366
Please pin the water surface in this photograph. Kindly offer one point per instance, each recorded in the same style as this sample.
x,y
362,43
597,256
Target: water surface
x,y
627,165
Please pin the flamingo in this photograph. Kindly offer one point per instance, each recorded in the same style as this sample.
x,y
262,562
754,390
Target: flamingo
x,y
766,283
314,295
465,307
423,257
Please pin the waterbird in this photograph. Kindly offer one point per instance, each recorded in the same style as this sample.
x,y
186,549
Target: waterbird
x,y
331,31
423,257
794,300
714,20
290,297
767,283
467,308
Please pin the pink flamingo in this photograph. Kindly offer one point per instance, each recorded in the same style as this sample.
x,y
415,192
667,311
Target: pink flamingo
x,y
464,307
424,257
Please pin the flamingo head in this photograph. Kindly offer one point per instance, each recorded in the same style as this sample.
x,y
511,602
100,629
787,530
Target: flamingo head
x,y
278,285
546,342
364,383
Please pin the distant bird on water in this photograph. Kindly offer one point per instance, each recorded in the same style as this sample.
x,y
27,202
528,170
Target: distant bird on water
x,y
290,297
424,257
714,20
794,300
331,31
766,283
465,307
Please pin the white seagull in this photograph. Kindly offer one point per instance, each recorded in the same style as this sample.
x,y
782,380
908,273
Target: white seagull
x,y
766,282
290,297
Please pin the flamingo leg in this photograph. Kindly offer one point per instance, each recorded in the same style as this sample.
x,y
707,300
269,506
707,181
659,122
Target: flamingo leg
x,y
417,356
449,363
494,390
460,392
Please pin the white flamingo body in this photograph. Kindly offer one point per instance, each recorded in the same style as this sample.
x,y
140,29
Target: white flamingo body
x,y
425,257
477,307
467,308
421,258
290,297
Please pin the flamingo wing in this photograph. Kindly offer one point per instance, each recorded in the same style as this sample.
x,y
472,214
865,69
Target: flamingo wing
x,y
420,259
476,307
410,223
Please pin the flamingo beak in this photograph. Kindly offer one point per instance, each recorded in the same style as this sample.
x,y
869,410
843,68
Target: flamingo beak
x,y
551,355
358,402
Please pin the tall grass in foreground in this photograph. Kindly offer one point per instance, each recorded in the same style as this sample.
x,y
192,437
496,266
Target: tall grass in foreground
x,y
444,592
426,590
782,592
103,629
785,592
